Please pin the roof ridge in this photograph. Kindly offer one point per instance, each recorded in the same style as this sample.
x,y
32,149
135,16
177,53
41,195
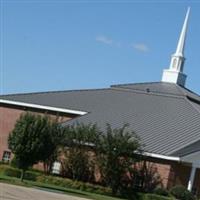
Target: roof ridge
x,y
142,83
188,101
181,89
58,91
155,92
188,90
170,95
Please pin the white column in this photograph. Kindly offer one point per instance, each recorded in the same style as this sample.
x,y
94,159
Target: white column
x,y
191,179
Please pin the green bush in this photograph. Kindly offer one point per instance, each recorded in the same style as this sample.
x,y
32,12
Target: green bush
x,y
14,162
156,197
180,192
4,163
32,176
161,191
64,182
12,172
3,167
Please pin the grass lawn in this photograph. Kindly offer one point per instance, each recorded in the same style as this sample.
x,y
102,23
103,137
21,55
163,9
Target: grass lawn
x,y
57,189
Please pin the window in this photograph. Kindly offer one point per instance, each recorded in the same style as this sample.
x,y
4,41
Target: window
x,y
6,156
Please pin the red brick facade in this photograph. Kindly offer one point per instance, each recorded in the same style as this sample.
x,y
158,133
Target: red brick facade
x,y
8,118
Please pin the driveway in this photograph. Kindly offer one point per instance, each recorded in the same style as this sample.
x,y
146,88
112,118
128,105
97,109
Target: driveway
x,y
12,192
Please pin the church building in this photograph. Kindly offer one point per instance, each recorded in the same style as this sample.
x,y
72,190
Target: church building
x,y
165,115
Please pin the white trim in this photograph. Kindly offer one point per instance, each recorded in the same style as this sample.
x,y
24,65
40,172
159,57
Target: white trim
x,y
193,158
30,105
191,179
154,155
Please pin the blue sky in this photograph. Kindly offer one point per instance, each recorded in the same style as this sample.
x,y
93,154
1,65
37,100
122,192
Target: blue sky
x,y
62,45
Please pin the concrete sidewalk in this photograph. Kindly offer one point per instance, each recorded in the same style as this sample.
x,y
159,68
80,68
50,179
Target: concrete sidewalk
x,y
12,192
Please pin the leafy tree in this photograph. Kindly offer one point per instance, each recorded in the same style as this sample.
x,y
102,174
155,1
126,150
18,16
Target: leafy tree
x,y
81,135
24,142
116,155
33,139
52,143
79,146
78,165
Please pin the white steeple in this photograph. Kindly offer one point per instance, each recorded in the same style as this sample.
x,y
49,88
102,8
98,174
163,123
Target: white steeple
x,y
175,72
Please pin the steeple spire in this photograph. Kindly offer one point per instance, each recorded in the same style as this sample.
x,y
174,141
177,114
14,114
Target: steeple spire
x,y
175,72
181,42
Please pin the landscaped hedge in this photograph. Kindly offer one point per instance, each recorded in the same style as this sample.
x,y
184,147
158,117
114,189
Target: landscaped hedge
x,y
37,176
161,191
7,170
64,182
88,187
157,197
14,172
181,193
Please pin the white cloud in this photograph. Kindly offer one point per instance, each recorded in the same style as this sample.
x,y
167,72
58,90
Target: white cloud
x,y
140,47
104,39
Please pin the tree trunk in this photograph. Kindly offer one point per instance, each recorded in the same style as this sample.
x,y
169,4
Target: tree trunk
x,y
22,175
47,164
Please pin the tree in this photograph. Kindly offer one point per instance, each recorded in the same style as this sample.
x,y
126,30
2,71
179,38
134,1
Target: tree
x,y
52,142
116,155
79,146
33,140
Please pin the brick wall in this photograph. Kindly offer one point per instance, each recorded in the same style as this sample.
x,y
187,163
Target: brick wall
x,y
173,173
8,117
164,172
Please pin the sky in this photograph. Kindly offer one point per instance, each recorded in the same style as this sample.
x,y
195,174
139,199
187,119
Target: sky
x,y
50,45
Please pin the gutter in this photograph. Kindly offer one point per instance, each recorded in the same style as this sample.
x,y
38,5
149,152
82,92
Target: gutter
x,y
50,108
154,155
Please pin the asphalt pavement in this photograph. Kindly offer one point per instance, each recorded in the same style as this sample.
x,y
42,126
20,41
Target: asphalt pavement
x,y
12,192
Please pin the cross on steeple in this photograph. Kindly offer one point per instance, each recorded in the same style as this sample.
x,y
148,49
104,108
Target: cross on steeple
x,y
175,72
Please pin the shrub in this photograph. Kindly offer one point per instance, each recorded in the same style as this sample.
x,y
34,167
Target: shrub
x,y
4,163
180,192
3,167
12,172
32,176
161,191
14,162
64,182
156,197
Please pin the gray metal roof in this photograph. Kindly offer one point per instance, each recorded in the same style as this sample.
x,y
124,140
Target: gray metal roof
x,y
164,115
192,148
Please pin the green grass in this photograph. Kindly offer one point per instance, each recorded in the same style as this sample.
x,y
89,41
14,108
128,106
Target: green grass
x,y
56,189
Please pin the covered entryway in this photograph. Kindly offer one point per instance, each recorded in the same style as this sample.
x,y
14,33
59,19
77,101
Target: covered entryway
x,y
194,179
